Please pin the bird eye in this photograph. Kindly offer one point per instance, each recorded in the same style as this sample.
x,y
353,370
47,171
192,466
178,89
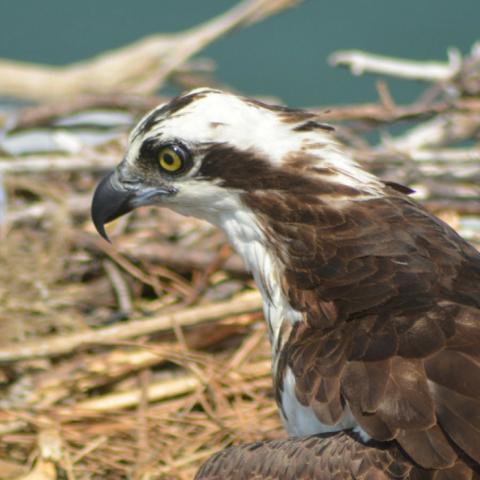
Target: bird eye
x,y
172,159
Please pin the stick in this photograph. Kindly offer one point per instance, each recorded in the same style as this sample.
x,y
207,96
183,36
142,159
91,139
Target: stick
x,y
360,62
156,391
60,344
90,161
160,390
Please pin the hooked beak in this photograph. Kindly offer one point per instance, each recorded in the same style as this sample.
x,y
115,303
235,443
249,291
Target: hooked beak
x,y
114,198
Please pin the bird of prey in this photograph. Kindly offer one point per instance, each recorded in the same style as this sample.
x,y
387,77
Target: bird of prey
x,y
372,303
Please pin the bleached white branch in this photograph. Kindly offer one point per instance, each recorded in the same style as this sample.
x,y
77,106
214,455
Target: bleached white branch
x,y
437,132
361,62
451,156
139,67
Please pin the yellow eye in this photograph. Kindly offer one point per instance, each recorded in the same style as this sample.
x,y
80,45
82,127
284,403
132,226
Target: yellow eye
x,y
170,160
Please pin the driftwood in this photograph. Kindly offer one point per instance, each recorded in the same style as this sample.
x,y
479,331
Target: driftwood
x,y
142,359
137,68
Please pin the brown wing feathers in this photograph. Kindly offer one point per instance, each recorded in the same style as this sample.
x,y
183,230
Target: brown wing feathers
x,y
339,456
391,329
333,457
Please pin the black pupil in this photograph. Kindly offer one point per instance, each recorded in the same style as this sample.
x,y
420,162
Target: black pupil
x,y
168,159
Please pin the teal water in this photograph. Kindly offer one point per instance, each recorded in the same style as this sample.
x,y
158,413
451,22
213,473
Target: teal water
x,y
284,56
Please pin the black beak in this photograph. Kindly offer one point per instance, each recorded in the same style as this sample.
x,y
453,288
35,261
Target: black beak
x,y
114,197
110,201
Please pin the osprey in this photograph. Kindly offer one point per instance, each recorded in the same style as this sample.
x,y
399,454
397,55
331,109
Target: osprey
x,y
372,303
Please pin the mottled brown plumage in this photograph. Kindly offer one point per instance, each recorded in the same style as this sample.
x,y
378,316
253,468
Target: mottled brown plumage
x,y
391,301
337,456
392,326
373,303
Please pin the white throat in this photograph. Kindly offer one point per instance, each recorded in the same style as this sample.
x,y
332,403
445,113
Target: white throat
x,y
250,243
227,211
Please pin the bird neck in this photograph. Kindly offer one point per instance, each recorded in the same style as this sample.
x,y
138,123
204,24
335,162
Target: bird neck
x,y
249,240
294,243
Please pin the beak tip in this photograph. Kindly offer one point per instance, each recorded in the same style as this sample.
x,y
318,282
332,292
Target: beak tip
x,y
108,203
102,232
99,224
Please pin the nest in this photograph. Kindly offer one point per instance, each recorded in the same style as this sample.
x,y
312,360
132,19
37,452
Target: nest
x,y
142,358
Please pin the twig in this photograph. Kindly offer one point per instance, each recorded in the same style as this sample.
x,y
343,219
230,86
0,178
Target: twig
x,y
360,62
119,285
385,96
95,370
89,447
377,113
3,205
90,160
129,267
57,345
170,256
76,205
156,391
41,115
144,379
160,390
437,132
448,156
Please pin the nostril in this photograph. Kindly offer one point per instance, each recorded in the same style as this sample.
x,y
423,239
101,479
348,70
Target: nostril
x,y
130,183
133,182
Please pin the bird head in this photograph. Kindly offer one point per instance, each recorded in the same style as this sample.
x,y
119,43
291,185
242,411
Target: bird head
x,y
204,152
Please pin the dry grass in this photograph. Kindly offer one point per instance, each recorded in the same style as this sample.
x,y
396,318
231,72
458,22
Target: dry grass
x,y
121,405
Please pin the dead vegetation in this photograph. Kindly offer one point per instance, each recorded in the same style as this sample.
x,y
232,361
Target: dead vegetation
x,y
141,359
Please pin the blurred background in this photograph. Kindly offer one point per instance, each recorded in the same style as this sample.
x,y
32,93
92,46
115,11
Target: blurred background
x,y
284,56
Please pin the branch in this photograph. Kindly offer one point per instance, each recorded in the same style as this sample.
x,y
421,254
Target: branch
x,y
140,67
360,62
377,113
159,390
440,131
42,115
448,156
61,344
